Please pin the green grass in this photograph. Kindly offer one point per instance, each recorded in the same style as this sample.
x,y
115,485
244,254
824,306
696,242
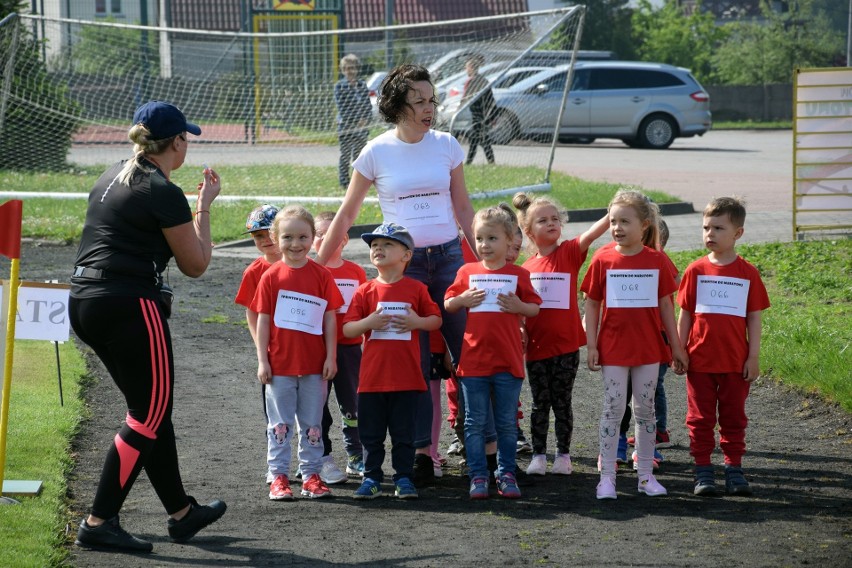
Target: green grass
x,y
39,448
807,332
752,125
62,220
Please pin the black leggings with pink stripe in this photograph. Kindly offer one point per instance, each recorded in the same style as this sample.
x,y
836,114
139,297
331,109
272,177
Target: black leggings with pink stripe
x,y
131,337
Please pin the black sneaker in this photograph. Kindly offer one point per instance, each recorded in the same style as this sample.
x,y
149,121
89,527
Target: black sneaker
x,y
110,536
735,481
705,482
198,517
424,471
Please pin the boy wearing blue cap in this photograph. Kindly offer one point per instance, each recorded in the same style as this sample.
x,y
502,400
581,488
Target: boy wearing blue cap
x,y
258,224
390,311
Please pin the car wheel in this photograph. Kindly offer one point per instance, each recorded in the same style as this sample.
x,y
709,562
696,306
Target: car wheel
x,y
657,132
504,128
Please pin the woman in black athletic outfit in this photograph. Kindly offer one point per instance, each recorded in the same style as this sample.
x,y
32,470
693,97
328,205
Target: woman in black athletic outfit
x,y
136,221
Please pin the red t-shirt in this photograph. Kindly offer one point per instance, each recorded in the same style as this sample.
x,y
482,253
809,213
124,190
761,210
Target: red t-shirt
x,y
556,330
718,342
630,336
294,352
436,342
492,340
251,278
391,365
348,276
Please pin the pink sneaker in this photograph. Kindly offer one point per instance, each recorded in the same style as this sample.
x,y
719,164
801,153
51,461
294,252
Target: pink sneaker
x,y
651,487
606,488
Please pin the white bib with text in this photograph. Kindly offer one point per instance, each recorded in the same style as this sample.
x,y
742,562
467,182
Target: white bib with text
x,y
347,288
493,284
392,308
721,295
632,288
299,312
554,289
421,208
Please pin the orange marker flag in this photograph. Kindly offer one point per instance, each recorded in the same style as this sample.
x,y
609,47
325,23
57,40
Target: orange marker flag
x,y
10,228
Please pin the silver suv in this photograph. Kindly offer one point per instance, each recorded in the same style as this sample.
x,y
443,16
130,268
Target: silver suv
x,y
645,105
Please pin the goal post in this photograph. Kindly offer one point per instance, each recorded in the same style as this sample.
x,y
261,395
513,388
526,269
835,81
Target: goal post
x,y
272,88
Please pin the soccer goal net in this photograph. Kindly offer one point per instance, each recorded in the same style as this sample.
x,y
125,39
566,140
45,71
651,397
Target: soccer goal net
x,y
266,96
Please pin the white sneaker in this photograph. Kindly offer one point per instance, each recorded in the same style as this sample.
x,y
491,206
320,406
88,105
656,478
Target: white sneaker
x,y
269,477
438,471
651,487
330,473
562,465
538,465
606,488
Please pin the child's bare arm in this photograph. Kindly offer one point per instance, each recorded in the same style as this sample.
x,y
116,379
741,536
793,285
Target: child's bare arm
x,y
684,324
251,321
511,304
376,320
329,332
593,311
593,232
264,370
470,298
411,321
679,357
751,369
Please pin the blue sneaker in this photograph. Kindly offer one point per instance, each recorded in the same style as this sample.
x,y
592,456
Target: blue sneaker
x,y
355,465
370,489
405,489
479,488
621,453
507,487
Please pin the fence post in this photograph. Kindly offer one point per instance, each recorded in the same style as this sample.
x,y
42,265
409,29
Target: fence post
x,y
10,67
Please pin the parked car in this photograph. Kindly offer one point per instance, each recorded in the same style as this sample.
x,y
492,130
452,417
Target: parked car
x,y
453,62
373,82
643,104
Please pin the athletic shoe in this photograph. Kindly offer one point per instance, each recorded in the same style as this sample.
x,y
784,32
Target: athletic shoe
x,y
562,465
424,472
355,465
405,489
621,452
663,439
479,488
735,481
198,517
438,472
631,440
110,536
280,490
455,447
330,473
606,489
705,482
538,465
314,487
658,457
507,487
651,487
270,477
370,489
523,446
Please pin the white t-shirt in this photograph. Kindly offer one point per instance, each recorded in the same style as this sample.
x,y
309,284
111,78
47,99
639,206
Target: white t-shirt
x,y
413,183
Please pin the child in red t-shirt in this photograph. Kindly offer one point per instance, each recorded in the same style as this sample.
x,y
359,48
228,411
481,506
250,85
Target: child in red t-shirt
x,y
391,311
348,276
258,224
491,365
721,298
555,335
296,302
631,282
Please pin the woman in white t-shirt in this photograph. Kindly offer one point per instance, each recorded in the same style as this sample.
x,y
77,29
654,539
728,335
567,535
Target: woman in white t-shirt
x,y
419,177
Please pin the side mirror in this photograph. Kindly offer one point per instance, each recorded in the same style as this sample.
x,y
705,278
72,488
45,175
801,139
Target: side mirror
x,y
541,89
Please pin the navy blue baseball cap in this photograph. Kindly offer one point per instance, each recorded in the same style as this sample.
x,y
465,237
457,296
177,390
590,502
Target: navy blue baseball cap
x,y
390,231
163,120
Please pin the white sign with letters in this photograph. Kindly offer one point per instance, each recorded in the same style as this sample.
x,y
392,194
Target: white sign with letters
x,y
42,310
299,312
493,284
347,288
722,295
422,208
392,309
632,288
554,289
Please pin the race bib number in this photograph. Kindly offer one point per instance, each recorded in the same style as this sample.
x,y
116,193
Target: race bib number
x,y
554,289
493,284
392,308
632,288
422,208
347,288
722,295
299,312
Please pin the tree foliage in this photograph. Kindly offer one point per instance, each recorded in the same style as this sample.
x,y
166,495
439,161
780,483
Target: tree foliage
x,y
761,53
39,116
667,35
606,28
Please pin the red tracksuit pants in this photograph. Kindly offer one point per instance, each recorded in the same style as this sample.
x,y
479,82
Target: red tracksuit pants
x,y
716,398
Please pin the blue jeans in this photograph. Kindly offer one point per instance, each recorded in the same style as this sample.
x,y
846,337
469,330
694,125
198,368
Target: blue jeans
x,y
502,390
436,267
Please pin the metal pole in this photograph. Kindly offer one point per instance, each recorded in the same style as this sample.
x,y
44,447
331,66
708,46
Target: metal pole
x,y
59,373
8,72
389,34
849,37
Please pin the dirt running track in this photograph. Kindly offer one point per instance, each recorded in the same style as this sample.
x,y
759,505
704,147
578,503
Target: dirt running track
x,y
799,461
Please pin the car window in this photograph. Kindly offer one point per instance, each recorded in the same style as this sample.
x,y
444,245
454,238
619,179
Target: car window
x,y
514,78
632,79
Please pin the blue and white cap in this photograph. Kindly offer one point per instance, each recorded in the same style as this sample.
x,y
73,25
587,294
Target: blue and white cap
x,y
261,218
390,231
